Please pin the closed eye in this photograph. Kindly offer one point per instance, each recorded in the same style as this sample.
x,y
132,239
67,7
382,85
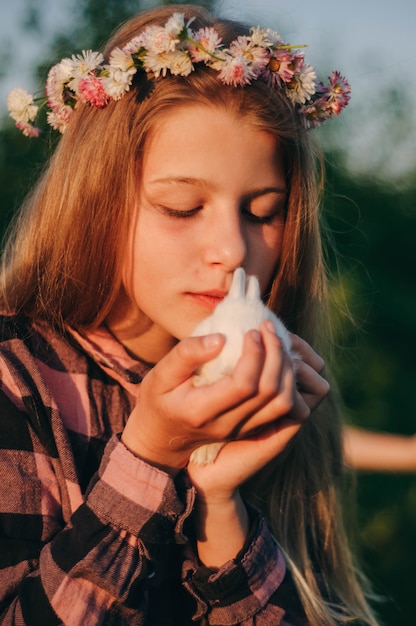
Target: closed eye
x,y
179,213
263,219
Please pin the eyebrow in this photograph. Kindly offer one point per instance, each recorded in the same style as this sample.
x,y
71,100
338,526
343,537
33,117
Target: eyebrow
x,y
189,180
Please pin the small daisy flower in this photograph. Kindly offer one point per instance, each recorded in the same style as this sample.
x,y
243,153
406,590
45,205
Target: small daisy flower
x,y
121,59
21,106
162,41
236,71
60,118
181,63
274,38
314,114
82,65
91,90
135,45
303,85
256,56
55,85
209,40
178,63
28,130
280,67
117,82
263,37
175,25
339,88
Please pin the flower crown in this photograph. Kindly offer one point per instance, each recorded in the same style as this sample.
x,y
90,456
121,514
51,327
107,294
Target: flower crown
x,y
262,55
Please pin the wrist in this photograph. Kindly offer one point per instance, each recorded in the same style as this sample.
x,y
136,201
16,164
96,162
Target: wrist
x,y
221,528
171,464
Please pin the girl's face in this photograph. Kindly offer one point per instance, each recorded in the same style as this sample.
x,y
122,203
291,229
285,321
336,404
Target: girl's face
x,y
212,198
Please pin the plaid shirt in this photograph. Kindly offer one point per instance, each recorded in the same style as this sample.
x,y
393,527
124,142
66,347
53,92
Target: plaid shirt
x,y
91,534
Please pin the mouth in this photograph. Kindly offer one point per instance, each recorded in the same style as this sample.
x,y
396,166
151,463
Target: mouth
x,y
208,299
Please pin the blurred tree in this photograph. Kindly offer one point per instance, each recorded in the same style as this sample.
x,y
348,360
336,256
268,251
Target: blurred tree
x,y
371,224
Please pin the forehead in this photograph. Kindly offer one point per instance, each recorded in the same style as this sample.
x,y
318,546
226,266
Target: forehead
x,y
203,138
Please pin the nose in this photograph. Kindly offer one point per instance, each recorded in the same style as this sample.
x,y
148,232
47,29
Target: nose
x,y
225,240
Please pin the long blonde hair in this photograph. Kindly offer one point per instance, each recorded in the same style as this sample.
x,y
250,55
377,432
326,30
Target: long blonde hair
x,y
62,264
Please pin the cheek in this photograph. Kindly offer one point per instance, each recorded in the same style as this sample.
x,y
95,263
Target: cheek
x,y
268,244
266,252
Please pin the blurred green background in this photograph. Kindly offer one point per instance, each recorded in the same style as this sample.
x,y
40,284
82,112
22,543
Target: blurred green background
x,y
370,219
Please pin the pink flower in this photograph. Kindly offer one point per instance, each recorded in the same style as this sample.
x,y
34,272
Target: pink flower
x,y
338,91
210,41
91,91
28,129
236,71
60,118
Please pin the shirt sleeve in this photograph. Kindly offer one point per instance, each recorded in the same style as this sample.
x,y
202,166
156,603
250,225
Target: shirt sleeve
x,y
99,564
242,591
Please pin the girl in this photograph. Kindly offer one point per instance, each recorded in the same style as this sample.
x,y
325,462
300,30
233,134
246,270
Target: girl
x,y
185,156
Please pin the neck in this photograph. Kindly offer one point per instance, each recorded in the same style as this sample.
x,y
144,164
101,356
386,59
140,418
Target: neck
x,y
141,338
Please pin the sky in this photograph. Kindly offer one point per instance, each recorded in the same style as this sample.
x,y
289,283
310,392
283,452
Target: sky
x,y
371,42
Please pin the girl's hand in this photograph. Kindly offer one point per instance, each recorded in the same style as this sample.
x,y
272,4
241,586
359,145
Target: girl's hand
x,y
309,367
173,417
238,460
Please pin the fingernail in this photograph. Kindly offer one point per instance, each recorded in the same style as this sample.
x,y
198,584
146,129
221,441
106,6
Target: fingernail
x,y
271,327
256,336
212,341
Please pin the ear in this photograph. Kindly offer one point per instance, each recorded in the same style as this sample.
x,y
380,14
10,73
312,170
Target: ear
x,y
238,285
253,289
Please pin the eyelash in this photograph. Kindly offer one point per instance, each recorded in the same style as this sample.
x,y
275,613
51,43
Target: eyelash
x,y
267,219
181,214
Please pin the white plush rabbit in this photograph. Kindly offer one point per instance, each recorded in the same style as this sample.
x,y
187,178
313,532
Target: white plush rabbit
x,y
240,311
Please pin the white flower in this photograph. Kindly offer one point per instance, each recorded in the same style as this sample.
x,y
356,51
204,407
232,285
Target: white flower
x,y
21,107
236,71
178,63
55,83
121,59
263,37
175,24
82,65
255,56
210,41
274,38
303,85
117,81
63,71
133,46
159,40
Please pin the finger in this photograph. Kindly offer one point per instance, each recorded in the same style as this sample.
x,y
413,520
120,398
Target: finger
x,y
259,449
265,409
182,361
275,362
306,353
312,386
241,384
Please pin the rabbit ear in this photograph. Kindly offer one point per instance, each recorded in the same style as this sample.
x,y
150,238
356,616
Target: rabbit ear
x,y
253,289
238,285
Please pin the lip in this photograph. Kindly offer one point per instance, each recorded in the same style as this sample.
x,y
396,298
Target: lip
x,y
208,299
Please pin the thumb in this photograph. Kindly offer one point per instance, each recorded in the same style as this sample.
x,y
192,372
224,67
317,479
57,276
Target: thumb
x,y
182,361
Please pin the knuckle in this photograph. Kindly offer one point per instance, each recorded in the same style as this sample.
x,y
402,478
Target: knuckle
x,y
286,404
304,412
269,391
246,388
183,349
196,421
325,387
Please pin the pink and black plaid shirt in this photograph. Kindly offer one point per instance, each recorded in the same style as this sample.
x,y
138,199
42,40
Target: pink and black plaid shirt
x,y
91,534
